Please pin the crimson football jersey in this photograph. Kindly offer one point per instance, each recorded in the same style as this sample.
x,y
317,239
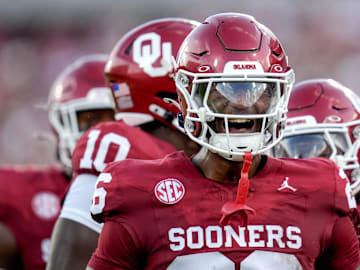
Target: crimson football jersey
x,y
29,206
100,145
164,214
113,141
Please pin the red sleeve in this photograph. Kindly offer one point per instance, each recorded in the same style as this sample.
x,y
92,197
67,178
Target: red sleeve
x,y
343,251
117,189
123,253
344,200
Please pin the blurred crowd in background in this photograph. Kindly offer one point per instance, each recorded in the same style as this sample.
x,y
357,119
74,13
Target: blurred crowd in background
x,y
39,38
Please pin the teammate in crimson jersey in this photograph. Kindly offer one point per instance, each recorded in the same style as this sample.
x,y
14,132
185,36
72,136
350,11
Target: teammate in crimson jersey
x,y
29,206
233,82
138,71
29,195
324,121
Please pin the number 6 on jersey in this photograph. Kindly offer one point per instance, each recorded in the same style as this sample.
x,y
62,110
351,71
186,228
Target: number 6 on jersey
x,y
98,201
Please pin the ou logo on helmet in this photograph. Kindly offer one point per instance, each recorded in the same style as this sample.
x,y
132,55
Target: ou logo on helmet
x,y
147,54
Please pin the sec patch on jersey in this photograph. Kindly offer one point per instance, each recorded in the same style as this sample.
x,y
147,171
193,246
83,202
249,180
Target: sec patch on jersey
x,y
169,191
46,205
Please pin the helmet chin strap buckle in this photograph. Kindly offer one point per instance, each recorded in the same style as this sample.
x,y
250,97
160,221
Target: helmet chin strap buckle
x,y
239,207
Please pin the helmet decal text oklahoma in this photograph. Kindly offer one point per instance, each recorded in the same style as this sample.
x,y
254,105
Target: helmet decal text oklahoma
x,y
147,54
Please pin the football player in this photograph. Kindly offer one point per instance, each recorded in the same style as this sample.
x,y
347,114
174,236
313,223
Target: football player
x,y
230,206
30,196
324,121
138,71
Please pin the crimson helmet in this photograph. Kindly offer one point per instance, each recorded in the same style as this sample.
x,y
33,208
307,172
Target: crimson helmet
x,y
80,87
324,121
139,71
231,60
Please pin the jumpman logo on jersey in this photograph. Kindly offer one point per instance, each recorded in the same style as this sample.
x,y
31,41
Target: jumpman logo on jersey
x,y
285,184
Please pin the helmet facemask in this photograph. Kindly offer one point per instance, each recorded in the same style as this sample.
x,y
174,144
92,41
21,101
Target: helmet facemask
x,y
310,139
233,114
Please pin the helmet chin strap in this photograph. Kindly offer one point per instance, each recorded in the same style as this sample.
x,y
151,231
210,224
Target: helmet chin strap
x,y
239,206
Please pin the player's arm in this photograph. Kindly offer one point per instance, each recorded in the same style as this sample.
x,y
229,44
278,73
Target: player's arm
x,y
75,229
72,245
75,234
7,247
343,250
118,246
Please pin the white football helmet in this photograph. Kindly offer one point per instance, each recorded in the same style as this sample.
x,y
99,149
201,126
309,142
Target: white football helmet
x,y
233,82
80,87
